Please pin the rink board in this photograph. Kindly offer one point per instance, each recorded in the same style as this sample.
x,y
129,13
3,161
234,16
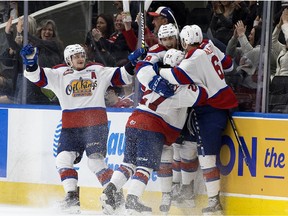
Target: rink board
x,y
28,142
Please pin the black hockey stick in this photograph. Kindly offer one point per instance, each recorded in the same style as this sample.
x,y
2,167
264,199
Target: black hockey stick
x,y
238,138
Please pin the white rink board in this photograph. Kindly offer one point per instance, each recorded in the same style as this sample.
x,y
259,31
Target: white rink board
x,y
31,134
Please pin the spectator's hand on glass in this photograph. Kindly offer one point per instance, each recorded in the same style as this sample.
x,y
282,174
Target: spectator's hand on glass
x,y
127,20
19,25
126,17
138,17
257,21
96,34
240,28
8,27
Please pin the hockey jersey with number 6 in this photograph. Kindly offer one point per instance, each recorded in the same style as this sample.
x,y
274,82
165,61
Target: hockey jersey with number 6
x,y
204,67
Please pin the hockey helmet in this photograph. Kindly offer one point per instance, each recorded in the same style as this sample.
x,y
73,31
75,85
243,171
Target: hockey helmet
x,y
173,57
167,30
71,50
191,34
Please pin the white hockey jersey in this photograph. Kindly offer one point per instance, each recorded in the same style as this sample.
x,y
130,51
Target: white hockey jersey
x,y
173,110
80,93
155,54
204,67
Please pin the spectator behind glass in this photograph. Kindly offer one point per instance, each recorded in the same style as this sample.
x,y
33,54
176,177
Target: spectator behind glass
x,y
226,14
104,28
246,57
116,44
13,58
8,76
114,98
50,53
49,44
279,50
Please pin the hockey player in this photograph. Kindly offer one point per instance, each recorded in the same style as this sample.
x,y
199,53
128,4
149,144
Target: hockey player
x,y
150,127
80,88
185,159
156,121
204,65
168,37
185,165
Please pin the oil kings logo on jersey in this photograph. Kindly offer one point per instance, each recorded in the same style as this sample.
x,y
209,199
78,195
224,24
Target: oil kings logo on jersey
x,y
81,87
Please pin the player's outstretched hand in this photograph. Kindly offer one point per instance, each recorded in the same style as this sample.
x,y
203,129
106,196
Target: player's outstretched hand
x,y
29,55
135,56
161,86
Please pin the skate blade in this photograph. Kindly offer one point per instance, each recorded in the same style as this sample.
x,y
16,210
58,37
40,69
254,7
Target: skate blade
x,y
213,213
71,210
134,212
106,209
184,204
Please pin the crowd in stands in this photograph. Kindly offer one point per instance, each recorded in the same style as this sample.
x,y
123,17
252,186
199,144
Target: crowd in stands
x,y
233,26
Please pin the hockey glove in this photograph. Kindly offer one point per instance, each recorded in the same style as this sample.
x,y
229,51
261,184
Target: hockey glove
x,y
137,55
161,86
29,55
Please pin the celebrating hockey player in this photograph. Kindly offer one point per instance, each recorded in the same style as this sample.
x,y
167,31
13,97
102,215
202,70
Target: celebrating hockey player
x,y
80,88
155,123
204,65
168,37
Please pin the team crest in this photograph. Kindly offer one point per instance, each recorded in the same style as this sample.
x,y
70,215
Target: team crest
x,y
81,87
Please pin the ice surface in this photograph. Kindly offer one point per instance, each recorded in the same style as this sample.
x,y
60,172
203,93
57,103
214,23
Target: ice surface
x,y
9,210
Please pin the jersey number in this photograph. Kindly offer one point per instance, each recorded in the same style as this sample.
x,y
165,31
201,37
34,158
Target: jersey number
x,y
215,63
153,105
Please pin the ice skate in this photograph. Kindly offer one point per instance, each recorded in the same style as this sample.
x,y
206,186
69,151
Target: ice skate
x,y
175,191
165,202
214,206
119,198
71,203
135,207
107,199
186,198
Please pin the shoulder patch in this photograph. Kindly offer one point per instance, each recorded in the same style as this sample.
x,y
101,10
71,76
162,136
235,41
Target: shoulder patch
x,y
157,48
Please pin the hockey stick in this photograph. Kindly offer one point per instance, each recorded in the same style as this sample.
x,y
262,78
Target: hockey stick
x,y
142,23
147,4
126,6
238,138
140,44
177,27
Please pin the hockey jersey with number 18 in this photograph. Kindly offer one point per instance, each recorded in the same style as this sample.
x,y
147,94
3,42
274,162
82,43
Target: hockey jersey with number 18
x,y
154,55
80,93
